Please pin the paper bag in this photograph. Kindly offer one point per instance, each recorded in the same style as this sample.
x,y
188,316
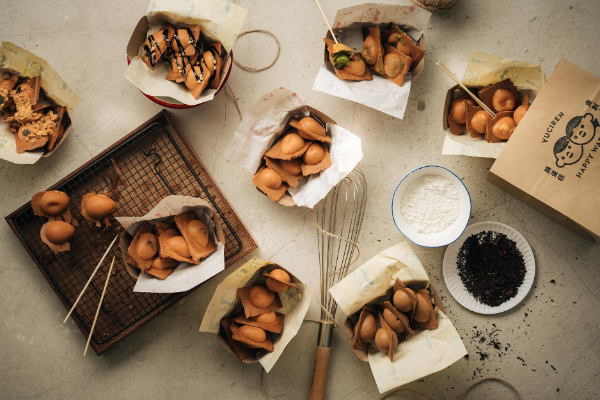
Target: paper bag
x,y
552,160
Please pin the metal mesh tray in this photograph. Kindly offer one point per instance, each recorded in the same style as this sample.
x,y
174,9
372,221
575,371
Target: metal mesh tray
x,y
152,162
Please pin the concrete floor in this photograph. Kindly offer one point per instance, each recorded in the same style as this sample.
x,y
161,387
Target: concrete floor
x,y
551,339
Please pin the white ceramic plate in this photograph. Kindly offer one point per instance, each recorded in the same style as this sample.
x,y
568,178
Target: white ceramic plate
x,y
455,285
448,235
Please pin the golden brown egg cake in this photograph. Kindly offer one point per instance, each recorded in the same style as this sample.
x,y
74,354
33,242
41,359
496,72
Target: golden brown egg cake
x,y
271,325
310,129
316,159
270,183
290,145
352,71
196,235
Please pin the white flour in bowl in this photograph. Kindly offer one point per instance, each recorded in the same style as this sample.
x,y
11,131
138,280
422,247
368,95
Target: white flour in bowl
x,y
430,204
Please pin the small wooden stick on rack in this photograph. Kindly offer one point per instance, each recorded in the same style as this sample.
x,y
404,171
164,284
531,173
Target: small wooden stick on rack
x,y
99,306
90,280
327,22
451,75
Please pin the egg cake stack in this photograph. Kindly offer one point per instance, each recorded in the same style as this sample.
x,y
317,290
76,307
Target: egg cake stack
x,y
404,313
158,250
301,151
251,329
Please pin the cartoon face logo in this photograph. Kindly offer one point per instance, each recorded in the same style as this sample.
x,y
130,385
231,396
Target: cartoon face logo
x,y
509,73
35,69
372,15
567,152
185,9
223,7
582,129
361,281
60,83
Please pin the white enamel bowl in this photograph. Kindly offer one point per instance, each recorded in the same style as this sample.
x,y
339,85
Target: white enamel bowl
x,y
449,234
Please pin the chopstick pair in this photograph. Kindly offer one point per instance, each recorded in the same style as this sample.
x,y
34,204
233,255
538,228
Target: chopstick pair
x,y
103,292
477,100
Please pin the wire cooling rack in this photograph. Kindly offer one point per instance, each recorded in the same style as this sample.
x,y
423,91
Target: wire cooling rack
x,y
152,162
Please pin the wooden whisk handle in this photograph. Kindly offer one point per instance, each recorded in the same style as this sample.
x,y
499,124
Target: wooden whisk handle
x,y
318,389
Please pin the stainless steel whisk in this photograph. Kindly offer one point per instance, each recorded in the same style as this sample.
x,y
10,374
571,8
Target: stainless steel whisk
x,y
341,214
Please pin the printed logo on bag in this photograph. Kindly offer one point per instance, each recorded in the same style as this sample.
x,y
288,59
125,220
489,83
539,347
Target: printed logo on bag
x,y
579,145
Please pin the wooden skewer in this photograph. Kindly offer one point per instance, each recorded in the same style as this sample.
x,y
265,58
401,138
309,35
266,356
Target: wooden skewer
x,y
89,280
99,306
451,75
327,22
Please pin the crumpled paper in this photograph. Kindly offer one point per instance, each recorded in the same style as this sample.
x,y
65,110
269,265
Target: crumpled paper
x,y
225,300
185,276
266,120
426,352
380,93
15,59
220,20
482,70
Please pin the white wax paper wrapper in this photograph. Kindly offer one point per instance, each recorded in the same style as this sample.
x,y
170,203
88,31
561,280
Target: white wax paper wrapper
x,y
186,276
380,94
413,20
219,20
225,300
346,152
482,70
26,64
426,352
266,120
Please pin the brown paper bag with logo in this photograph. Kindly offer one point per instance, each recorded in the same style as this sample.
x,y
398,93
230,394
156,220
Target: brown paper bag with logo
x,y
552,160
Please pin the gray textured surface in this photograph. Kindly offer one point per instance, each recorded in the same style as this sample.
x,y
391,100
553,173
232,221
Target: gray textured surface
x,y
556,325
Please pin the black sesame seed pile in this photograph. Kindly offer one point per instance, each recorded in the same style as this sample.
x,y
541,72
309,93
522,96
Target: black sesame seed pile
x,y
491,267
